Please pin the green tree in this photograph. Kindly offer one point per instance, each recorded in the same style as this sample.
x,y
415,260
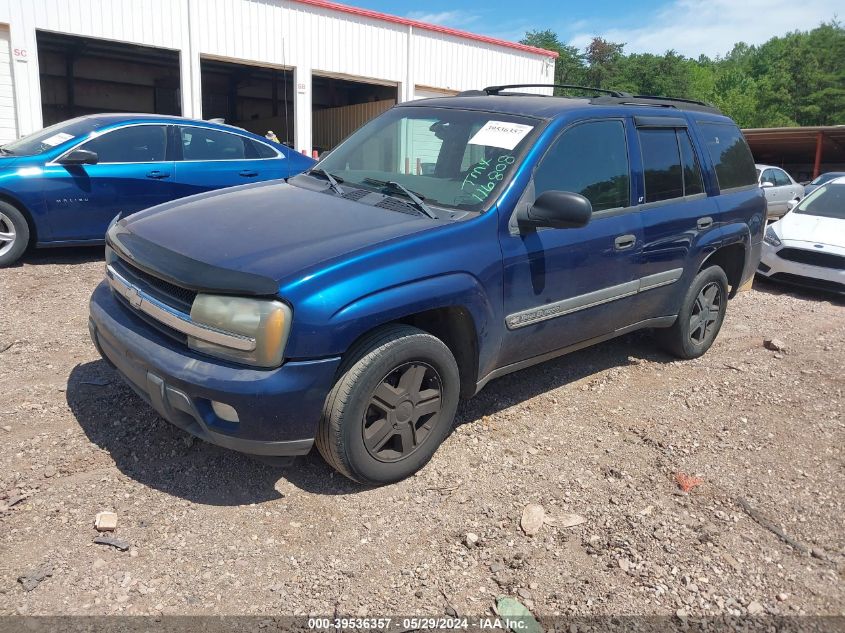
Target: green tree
x,y
569,66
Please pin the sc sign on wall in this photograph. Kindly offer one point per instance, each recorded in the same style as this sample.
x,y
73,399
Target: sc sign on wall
x,y
8,122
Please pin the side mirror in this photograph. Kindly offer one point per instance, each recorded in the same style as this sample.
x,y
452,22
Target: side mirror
x,y
80,157
791,205
557,209
766,185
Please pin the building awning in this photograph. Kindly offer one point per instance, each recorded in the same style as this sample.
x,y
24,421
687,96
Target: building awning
x,y
815,145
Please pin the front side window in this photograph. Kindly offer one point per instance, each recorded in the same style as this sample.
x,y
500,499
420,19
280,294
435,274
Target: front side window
x,y
591,159
768,176
781,179
199,143
133,144
452,158
730,155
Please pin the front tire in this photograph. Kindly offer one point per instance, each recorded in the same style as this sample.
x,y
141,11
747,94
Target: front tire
x,y
701,315
393,404
14,234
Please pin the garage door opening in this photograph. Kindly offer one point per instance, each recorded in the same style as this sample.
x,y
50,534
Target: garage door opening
x,y
341,106
81,75
256,98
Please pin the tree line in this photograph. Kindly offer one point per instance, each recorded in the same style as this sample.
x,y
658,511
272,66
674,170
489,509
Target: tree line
x,y
796,79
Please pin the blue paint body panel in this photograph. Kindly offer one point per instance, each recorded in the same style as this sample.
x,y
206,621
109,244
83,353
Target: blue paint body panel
x,y
347,267
70,205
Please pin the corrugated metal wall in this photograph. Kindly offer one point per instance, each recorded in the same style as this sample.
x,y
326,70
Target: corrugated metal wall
x,y
278,33
332,125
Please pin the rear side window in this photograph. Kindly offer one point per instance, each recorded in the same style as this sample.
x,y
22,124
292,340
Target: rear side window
x,y
257,149
693,183
730,155
591,159
199,143
669,164
664,179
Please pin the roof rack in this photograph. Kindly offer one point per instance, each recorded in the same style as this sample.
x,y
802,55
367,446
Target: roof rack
x,y
494,90
607,97
660,102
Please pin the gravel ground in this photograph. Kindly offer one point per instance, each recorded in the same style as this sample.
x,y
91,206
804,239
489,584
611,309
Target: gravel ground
x,y
601,434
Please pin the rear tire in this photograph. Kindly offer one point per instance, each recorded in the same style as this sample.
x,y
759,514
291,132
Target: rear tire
x,y
14,234
393,404
701,316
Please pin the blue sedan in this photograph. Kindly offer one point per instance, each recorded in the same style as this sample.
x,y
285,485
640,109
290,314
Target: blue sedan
x,y
63,185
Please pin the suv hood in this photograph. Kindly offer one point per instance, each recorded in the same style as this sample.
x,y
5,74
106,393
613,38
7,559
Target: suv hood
x,y
272,230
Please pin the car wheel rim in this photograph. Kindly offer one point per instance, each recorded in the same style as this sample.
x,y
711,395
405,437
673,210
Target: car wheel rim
x,y
705,313
403,411
7,234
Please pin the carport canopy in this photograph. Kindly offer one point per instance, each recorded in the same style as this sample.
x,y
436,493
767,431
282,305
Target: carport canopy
x,y
795,145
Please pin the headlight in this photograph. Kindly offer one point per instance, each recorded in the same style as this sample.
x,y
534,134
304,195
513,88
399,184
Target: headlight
x,y
771,237
265,321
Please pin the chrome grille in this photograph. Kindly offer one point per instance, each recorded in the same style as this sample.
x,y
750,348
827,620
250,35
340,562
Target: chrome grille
x,y
175,296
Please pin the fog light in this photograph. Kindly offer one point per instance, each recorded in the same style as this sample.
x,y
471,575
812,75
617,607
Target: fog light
x,y
224,411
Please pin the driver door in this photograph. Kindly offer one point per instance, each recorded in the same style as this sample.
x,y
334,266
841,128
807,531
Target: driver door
x,y
132,173
564,286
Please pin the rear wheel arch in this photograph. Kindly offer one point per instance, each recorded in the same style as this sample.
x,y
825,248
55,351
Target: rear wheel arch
x,y
731,259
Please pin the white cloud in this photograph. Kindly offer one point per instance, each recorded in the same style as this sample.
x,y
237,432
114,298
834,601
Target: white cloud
x,y
693,27
444,18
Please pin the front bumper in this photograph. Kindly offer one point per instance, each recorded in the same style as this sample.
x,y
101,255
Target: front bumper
x,y
278,409
796,273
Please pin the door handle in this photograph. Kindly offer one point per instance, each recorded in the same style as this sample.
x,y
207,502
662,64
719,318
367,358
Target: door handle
x,y
624,242
704,223
248,173
158,175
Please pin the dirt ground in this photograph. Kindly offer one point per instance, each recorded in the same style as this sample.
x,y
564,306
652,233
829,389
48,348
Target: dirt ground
x,y
601,433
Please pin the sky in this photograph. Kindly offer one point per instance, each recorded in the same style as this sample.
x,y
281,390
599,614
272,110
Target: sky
x,y
690,27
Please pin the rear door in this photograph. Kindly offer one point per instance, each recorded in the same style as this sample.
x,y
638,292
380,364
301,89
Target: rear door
x,y
563,286
212,159
134,171
675,209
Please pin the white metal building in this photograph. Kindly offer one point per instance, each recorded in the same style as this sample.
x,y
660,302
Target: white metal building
x,y
310,70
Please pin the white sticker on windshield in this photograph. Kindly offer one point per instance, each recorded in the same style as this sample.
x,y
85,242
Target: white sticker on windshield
x,y
501,134
57,139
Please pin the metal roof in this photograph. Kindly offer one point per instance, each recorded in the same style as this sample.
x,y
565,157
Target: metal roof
x,y
780,145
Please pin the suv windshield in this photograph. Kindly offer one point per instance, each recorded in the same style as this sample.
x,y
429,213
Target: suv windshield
x,y
48,138
828,201
451,158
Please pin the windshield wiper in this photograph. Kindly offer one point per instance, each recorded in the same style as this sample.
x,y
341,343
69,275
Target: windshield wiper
x,y
396,187
333,180
6,152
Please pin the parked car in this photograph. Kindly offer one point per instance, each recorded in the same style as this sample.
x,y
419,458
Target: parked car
x,y
806,247
780,188
63,185
820,180
354,305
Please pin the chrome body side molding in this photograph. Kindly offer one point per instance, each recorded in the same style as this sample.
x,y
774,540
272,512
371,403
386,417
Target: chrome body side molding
x,y
582,302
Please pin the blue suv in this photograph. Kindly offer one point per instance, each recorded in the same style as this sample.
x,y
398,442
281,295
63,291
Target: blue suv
x,y
63,185
444,244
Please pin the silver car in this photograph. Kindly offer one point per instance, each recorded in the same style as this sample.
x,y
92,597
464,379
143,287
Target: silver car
x,y
780,189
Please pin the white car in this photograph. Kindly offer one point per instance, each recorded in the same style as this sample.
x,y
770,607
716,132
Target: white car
x,y
780,189
807,246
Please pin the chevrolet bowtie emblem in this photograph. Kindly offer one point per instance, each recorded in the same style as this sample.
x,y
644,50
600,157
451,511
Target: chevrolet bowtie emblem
x,y
133,297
